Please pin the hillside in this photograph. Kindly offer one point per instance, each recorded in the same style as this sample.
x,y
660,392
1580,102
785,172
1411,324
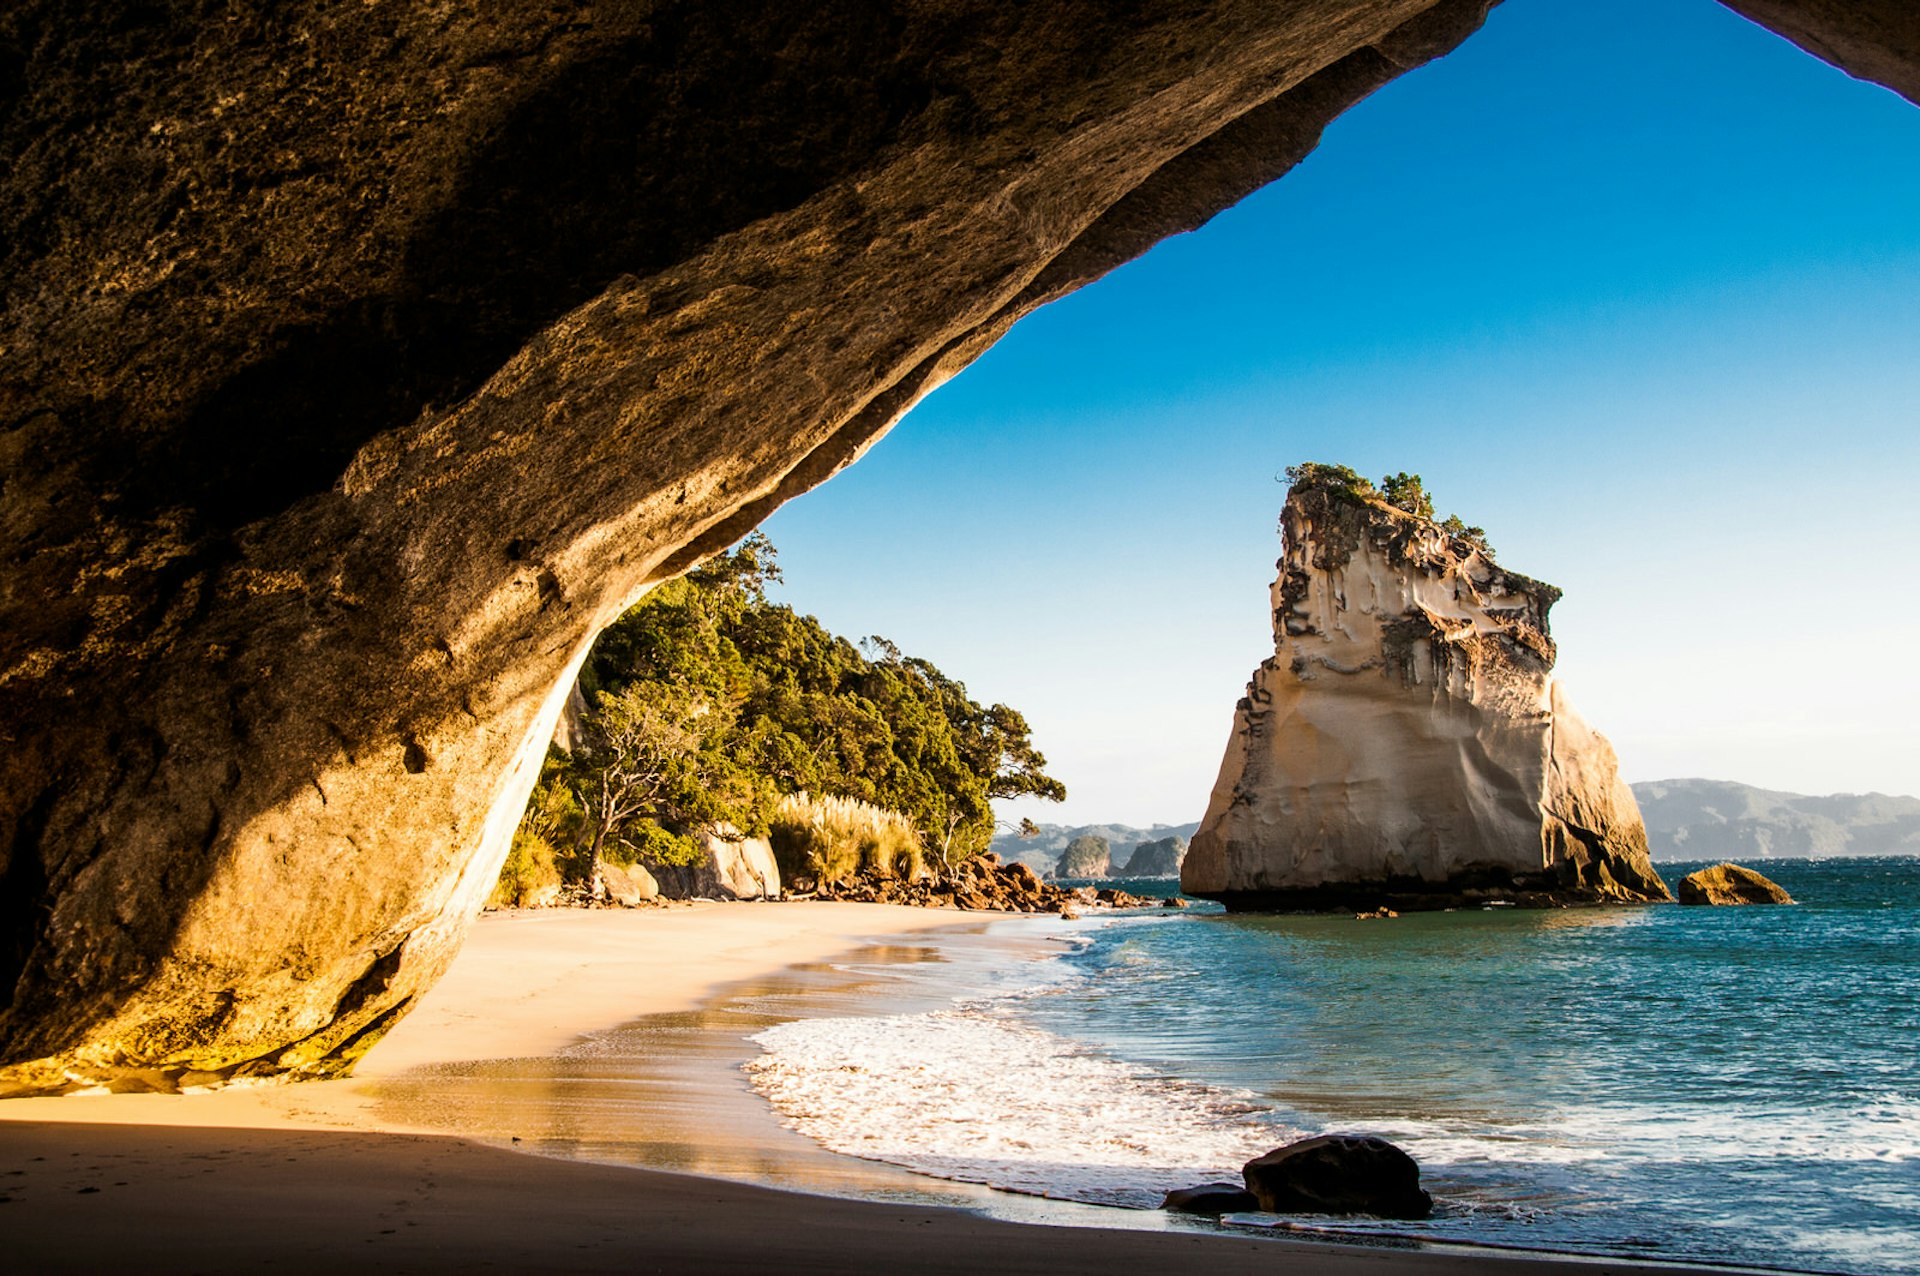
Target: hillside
x,y
1718,819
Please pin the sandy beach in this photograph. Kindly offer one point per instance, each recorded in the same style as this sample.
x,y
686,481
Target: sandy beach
x,y
306,1177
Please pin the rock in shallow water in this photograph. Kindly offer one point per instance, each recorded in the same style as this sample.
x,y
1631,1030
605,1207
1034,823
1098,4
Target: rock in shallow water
x,y
1406,745
1730,884
1210,1199
1338,1174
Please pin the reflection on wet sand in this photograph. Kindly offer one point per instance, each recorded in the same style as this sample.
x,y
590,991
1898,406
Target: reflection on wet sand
x,y
667,1091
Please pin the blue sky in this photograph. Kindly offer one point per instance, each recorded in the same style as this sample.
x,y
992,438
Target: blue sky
x,y
1633,283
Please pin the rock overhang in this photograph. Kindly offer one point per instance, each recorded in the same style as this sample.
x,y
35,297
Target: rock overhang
x,y
363,362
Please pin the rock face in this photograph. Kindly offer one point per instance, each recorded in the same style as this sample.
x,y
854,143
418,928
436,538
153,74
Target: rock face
x,y
731,867
1157,859
1730,884
1338,1174
1406,745
363,361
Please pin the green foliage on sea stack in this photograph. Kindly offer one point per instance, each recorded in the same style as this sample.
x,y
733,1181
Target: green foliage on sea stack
x,y
1085,856
1402,491
709,705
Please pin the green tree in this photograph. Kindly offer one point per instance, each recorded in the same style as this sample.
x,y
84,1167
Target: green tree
x,y
1473,536
710,702
1405,491
642,758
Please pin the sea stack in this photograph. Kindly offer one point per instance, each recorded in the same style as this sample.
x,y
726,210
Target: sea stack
x,y
1406,745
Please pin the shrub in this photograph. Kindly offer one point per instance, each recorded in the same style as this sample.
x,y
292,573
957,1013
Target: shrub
x,y
1338,481
531,867
645,842
830,838
1405,491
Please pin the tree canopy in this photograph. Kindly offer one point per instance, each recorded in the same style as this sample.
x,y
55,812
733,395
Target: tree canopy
x,y
708,702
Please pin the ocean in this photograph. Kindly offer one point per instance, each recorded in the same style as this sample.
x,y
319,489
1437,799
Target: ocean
x,y
1735,1085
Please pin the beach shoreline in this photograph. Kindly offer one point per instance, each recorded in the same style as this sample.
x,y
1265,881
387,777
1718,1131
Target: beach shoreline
x,y
312,1175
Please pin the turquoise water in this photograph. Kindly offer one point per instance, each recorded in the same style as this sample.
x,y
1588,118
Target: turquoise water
x,y
1722,1084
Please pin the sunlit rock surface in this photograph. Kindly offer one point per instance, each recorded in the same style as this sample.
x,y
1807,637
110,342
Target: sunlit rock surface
x,y
1406,744
363,361
1731,884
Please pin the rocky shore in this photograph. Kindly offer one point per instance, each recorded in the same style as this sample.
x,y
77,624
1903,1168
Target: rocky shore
x,y
984,884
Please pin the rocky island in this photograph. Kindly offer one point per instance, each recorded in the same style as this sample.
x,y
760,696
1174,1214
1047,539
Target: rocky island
x,y
1406,745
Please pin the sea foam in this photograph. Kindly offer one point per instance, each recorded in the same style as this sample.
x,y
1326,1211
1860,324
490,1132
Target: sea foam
x,y
971,1095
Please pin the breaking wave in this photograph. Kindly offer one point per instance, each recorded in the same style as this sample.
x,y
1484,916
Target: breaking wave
x,y
969,1095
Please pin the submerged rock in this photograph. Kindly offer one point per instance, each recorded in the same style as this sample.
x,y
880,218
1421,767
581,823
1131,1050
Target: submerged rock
x,y
1406,745
1730,884
1210,1199
1338,1174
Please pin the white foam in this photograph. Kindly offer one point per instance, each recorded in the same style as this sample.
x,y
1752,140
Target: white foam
x,y
1884,1127
966,1094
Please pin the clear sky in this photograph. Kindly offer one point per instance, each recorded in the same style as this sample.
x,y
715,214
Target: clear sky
x,y
1634,284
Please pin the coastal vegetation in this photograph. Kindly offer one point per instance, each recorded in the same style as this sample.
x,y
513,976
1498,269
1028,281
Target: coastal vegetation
x,y
1403,491
710,707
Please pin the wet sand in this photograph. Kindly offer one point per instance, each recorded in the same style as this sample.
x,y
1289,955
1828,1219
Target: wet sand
x,y
300,1178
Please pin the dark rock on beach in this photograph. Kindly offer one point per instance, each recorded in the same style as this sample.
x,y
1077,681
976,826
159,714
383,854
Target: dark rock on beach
x,y
983,884
1211,1199
1338,1174
1730,884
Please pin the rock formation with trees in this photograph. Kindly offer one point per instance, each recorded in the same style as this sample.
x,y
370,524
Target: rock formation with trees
x,y
1406,745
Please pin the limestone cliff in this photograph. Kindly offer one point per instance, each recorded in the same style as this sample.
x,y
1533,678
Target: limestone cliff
x,y
1406,743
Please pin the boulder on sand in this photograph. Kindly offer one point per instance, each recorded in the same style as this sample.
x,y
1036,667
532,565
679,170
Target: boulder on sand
x,y
1338,1174
628,884
1730,884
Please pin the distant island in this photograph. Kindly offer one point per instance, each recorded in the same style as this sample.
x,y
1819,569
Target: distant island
x,y
1719,819
1687,819
1043,849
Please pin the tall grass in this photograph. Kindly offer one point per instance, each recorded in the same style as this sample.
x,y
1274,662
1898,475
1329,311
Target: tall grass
x,y
830,838
532,867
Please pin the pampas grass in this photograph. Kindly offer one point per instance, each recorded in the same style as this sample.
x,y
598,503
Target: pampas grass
x,y
831,838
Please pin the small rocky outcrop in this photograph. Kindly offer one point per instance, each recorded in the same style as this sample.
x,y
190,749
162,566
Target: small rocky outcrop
x,y
1157,859
1338,1174
984,884
1406,746
1086,856
1211,1200
1730,884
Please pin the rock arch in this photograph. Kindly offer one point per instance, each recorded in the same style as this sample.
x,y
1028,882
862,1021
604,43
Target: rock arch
x,y
361,362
